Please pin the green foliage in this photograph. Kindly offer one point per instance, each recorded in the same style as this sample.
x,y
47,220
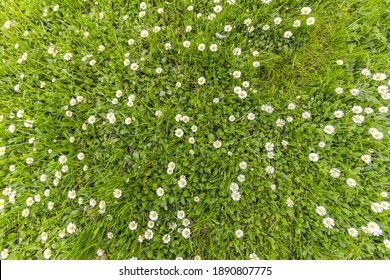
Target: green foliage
x,y
134,158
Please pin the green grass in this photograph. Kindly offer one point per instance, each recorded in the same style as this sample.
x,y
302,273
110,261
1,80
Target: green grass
x,y
134,158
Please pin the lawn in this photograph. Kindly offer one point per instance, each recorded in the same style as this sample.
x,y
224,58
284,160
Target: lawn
x,y
218,129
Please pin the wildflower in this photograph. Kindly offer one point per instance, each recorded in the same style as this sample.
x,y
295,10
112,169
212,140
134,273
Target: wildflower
x,y
202,80
328,222
305,10
366,158
287,34
351,182
186,233
179,132
269,169
47,254
239,233
353,232
321,210
236,195
335,173
160,192
117,193
71,228
376,207
290,202
148,234
217,144
329,129
67,56
133,225
213,47
153,215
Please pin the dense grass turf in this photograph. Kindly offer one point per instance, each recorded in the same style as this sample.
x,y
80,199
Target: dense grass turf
x,y
263,127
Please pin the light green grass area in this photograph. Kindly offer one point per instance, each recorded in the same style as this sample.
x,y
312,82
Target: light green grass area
x,y
80,206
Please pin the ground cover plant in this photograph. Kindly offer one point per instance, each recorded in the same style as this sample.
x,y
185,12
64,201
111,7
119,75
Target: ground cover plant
x,y
194,129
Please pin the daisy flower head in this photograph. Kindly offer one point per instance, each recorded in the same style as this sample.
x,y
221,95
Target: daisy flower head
x,y
306,115
385,205
144,34
237,51
328,222
321,210
25,212
217,144
72,194
339,62
376,207
366,158
379,76
289,202
351,182
297,23
280,122
357,109
353,232
148,234
67,56
251,116
386,242
269,146
310,21
182,183
270,169
335,172
47,254
153,215
242,94
313,157
241,178
71,228
179,132
117,193
100,252
329,129
287,34
166,238
354,91
239,233
202,80
243,165
253,257
181,214
186,44
160,192
305,11
339,90
134,66
186,233
236,195
366,72
338,114
150,224
91,119
374,229
278,20
237,74
133,225
80,156
201,47
213,47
